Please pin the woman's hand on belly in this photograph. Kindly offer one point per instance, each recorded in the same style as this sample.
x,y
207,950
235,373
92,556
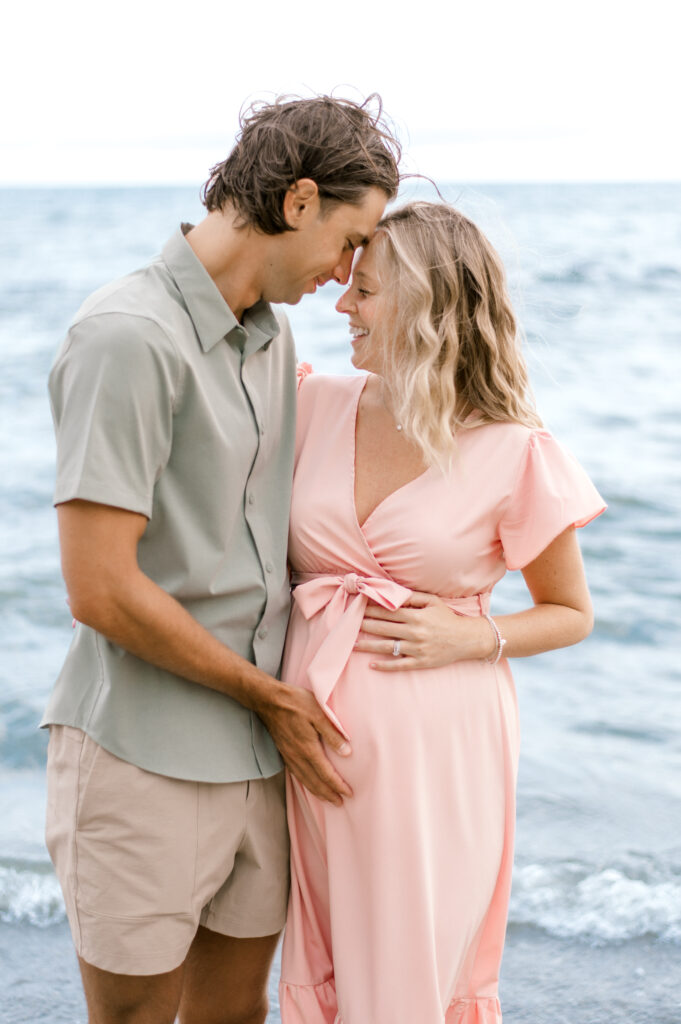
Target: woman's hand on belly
x,y
430,634
423,633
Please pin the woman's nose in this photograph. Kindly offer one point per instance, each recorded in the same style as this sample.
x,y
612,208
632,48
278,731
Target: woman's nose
x,y
344,304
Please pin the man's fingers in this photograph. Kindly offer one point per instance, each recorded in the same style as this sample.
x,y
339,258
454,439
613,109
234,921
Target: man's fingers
x,y
298,728
314,784
332,737
330,778
319,775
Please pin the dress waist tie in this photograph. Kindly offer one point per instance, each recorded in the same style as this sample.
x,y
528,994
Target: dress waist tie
x,y
342,601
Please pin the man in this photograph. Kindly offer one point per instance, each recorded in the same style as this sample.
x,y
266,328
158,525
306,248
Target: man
x,y
174,405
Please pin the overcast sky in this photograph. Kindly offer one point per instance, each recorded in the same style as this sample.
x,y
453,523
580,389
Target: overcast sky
x,y
141,91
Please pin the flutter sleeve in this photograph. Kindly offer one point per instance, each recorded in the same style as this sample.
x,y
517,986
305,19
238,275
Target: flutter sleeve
x,y
303,370
551,493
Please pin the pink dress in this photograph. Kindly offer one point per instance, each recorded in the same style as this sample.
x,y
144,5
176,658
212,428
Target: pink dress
x,y
399,898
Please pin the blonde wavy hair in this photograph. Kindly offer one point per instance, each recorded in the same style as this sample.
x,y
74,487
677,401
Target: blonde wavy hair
x,y
453,348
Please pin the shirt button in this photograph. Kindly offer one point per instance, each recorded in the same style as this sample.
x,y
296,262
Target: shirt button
x,y
269,567
251,499
262,632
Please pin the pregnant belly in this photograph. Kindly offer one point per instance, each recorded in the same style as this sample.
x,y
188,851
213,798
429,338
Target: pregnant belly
x,y
457,716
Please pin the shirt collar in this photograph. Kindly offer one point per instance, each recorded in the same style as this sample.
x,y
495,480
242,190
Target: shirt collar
x,y
261,326
210,314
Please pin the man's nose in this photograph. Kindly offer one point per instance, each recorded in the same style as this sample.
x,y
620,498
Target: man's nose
x,y
343,269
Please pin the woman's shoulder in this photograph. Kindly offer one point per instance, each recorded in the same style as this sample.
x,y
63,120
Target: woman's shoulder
x,y
309,378
503,449
503,436
323,387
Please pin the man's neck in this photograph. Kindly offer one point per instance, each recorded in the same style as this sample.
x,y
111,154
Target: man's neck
x,y
234,258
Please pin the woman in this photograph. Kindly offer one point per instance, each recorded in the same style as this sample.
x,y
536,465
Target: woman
x,y
416,487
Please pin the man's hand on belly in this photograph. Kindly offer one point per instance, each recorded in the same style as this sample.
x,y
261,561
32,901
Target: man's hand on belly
x,y
299,728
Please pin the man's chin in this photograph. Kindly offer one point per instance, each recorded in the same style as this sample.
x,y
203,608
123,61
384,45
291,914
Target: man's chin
x,y
293,298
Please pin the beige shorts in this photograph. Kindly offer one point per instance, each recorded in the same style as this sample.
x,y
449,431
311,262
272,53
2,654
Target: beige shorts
x,y
143,859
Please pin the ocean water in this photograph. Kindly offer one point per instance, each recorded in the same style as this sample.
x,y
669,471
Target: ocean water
x,y
595,271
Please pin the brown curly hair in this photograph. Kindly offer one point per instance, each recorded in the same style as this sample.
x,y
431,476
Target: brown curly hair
x,y
343,146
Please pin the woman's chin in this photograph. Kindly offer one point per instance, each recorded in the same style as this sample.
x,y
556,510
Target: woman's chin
x,y
361,361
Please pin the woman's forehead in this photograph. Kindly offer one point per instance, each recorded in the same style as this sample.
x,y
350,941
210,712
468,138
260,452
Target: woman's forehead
x,y
364,265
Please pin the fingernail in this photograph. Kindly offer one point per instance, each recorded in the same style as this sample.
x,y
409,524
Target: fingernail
x,y
345,750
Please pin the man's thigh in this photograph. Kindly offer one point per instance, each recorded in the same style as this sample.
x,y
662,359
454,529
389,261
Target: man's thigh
x,y
225,979
121,999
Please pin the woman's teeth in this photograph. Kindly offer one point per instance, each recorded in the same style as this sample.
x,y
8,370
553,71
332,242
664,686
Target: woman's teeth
x,y
358,332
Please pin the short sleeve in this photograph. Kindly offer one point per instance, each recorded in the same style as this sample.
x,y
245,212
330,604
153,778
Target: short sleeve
x,y
551,493
112,389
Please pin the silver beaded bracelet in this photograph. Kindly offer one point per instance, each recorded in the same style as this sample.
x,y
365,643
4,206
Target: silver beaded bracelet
x,y
500,643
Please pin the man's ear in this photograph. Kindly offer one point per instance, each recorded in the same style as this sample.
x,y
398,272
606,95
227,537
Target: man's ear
x,y
301,202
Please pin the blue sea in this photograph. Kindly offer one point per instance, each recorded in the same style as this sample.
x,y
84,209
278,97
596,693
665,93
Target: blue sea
x,y
595,271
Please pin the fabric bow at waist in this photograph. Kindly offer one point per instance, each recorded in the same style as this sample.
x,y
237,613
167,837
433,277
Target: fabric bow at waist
x,y
342,601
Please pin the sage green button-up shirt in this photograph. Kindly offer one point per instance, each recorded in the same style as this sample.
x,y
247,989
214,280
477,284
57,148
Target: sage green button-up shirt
x,y
165,405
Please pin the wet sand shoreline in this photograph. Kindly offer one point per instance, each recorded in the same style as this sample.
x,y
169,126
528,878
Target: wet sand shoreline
x,y
544,980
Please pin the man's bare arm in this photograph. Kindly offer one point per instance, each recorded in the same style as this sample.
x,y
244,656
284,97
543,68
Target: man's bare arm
x,y
109,592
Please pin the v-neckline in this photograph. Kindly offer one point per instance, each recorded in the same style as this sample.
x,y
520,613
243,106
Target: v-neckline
x,y
408,483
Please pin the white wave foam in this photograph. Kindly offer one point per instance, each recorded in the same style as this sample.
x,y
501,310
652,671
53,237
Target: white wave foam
x,y
608,905
30,897
566,899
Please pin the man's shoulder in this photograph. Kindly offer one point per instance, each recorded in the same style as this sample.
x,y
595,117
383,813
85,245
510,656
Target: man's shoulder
x,y
117,327
145,294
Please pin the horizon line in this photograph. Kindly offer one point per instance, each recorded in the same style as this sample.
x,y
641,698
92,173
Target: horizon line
x,y
19,185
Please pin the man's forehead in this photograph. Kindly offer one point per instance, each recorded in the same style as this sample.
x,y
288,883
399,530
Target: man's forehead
x,y
363,229
362,219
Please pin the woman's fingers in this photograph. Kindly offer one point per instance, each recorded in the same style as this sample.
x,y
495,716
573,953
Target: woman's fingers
x,y
418,599
398,630
376,645
397,664
374,611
